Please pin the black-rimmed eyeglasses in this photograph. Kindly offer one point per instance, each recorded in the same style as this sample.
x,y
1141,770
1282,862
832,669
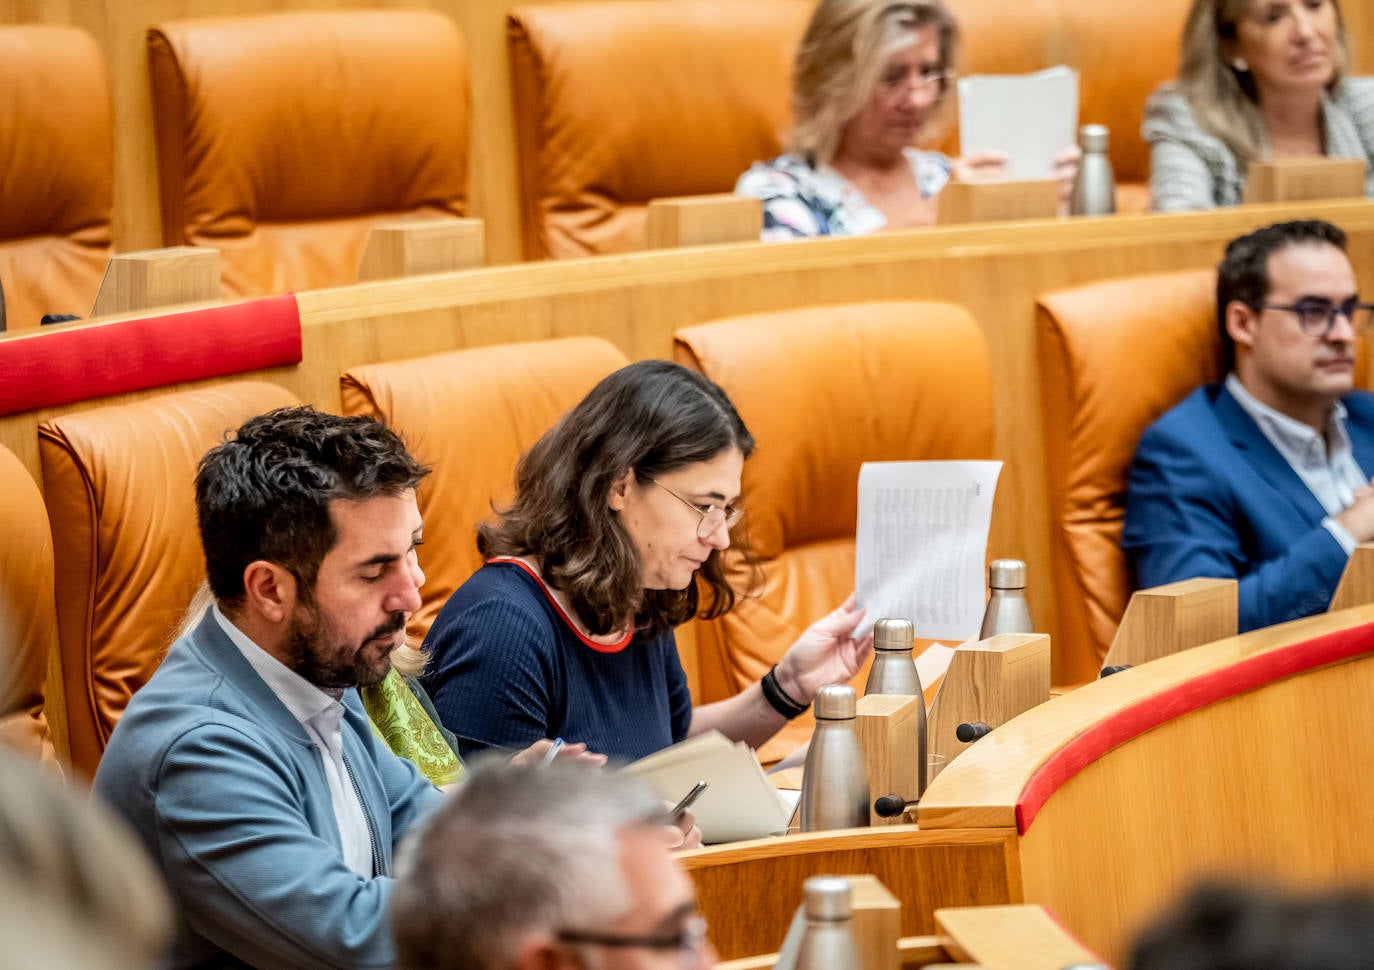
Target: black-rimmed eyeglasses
x,y
712,516
1316,318
690,941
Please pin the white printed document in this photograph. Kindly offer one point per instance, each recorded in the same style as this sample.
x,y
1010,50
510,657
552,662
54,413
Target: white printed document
x,y
1028,116
922,543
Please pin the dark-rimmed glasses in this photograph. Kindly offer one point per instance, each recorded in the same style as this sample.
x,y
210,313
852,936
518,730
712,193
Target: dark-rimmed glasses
x,y
690,941
712,516
1316,318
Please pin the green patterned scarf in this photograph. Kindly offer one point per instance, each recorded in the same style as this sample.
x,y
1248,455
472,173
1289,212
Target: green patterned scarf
x,y
403,717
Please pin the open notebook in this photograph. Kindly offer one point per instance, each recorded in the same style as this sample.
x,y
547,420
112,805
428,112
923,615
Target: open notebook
x,y
739,802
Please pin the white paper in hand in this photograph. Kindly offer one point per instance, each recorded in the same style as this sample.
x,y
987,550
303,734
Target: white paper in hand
x,y
1028,116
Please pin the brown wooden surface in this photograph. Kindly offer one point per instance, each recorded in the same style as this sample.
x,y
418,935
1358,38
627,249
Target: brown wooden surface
x,y
991,681
887,727
748,891
1174,617
962,202
702,220
1357,581
1305,180
1010,938
416,248
153,278
637,301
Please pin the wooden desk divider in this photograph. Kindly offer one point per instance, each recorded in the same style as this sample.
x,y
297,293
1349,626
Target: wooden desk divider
x,y
991,681
886,725
1357,582
1174,617
876,923
1305,180
156,278
962,202
702,220
415,248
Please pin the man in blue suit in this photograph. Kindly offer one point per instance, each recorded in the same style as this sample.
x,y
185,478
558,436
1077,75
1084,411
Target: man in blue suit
x,y
1266,477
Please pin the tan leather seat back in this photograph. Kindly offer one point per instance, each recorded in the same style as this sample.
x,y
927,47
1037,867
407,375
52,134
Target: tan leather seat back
x,y
618,102
282,138
28,617
119,485
823,390
1114,356
57,178
470,415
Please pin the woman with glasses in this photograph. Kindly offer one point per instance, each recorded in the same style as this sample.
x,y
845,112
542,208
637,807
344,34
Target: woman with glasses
x,y
621,516
870,76
1259,80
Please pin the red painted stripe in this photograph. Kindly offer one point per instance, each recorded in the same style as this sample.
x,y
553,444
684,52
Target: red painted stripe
x,y
63,366
598,647
1151,712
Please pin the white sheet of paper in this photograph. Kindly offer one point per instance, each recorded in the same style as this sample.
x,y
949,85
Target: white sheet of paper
x,y
1028,116
922,542
932,663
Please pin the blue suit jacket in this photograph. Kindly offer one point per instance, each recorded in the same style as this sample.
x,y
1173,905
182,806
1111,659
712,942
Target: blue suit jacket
x,y
1210,496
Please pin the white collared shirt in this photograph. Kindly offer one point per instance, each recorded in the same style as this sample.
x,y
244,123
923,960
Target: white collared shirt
x,y
321,713
1325,463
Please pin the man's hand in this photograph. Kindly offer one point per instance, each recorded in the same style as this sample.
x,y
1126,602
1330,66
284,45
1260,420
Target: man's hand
x,y
1358,518
535,754
827,653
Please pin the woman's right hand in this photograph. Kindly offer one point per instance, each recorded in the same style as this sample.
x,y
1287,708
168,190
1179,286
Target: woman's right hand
x,y
981,166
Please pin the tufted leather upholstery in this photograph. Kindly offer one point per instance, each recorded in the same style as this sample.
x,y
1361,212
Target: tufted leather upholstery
x,y
281,138
823,390
1114,356
28,618
470,415
119,486
618,102
56,172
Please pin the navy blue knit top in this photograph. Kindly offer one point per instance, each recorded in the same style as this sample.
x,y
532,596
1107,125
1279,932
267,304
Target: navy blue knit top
x,y
507,668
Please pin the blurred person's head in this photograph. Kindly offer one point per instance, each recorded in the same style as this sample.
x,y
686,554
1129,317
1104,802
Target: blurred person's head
x,y
1218,927
869,75
629,500
1289,314
309,525
76,892
1238,53
545,867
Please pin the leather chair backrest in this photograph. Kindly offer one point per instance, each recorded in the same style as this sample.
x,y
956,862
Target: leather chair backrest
x,y
470,415
823,390
119,487
28,617
282,138
618,102
1114,356
57,177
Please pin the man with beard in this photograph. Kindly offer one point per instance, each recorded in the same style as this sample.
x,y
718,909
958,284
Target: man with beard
x,y
247,764
1265,477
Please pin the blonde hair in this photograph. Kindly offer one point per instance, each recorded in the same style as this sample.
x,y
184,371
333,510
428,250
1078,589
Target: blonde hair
x,y
840,61
1224,100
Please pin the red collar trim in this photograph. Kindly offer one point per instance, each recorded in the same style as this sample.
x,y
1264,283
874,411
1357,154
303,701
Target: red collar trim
x,y
598,647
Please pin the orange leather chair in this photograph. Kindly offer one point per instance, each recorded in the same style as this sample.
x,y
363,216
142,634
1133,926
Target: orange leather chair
x,y
282,138
470,415
119,487
28,618
1114,356
57,179
823,390
618,102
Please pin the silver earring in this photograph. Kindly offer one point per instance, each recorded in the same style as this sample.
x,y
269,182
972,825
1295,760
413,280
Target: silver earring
x,y
1240,65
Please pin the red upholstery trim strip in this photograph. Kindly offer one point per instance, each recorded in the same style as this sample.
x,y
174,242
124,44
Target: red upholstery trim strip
x,y
68,365
598,647
1217,685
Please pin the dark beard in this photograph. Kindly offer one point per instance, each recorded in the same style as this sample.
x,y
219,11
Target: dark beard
x,y
309,653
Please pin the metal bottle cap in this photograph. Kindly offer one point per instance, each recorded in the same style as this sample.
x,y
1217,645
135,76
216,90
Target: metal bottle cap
x,y
827,897
836,702
893,634
1094,138
1008,573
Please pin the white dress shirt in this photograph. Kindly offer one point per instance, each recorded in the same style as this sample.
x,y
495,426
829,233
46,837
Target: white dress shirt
x,y
1325,463
320,712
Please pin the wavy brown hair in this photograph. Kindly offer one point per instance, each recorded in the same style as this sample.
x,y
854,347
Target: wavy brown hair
x,y
653,417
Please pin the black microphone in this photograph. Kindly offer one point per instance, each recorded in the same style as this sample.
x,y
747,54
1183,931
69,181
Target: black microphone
x,y
1114,669
890,806
971,732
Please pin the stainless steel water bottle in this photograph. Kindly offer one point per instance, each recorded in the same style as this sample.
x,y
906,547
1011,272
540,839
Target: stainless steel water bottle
x,y
1007,611
894,672
1094,188
828,943
834,791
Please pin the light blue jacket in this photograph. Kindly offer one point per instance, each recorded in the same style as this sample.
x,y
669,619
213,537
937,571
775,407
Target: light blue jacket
x,y
228,794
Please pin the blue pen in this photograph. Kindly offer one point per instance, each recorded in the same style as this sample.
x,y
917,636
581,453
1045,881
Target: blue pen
x,y
552,752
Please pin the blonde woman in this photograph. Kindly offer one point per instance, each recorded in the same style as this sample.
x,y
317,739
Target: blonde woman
x,y
870,77
1260,79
